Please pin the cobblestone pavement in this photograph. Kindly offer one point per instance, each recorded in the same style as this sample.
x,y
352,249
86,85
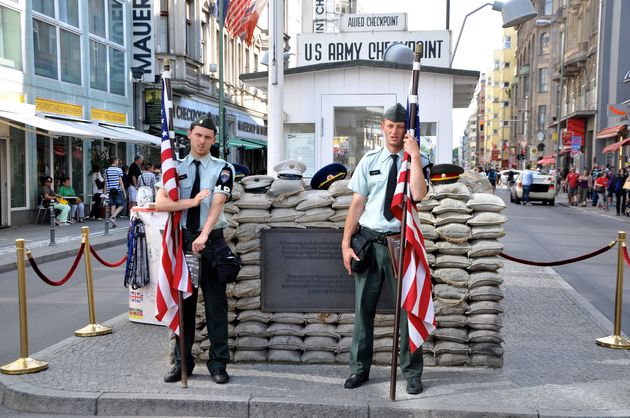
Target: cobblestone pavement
x,y
552,368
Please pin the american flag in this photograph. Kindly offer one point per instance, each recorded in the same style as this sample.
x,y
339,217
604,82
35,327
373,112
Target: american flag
x,y
416,276
226,6
173,275
235,14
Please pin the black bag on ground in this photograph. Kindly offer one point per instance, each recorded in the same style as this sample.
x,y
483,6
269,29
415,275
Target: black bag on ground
x,y
225,263
360,245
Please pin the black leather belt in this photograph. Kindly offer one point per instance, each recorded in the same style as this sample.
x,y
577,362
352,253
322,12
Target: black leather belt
x,y
373,235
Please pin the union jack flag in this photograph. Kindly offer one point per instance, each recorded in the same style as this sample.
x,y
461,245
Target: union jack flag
x,y
136,297
173,275
416,276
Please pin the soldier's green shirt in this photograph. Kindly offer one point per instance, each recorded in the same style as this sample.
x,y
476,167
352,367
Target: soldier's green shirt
x,y
370,180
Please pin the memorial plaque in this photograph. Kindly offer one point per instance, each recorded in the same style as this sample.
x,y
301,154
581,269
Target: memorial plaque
x,y
302,271
153,106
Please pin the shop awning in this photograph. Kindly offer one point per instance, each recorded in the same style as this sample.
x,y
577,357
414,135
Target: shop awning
x,y
132,135
181,132
246,143
91,130
614,147
612,131
547,160
51,126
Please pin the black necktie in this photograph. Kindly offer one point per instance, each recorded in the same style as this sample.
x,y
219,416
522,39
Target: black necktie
x,y
391,186
192,217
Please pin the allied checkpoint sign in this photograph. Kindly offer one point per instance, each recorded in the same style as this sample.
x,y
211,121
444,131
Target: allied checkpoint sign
x,y
320,48
302,271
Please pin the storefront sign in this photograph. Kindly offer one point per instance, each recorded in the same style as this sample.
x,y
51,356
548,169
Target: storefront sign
x,y
59,108
335,47
108,116
143,38
319,16
577,126
302,271
566,138
374,22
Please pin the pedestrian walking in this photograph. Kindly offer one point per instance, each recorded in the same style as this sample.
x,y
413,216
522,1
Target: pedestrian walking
x,y
527,178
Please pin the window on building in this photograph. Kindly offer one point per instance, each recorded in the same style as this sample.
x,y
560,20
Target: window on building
x,y
45,49
70,57
97,17
69,12
543,80
506,84
162,44
107,41
547,9
506,64
525,86
10,39
506,104
190,15
45,7
544,44
542,117
507,42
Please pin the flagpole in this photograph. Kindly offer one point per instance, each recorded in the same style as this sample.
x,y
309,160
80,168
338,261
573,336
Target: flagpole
x,y
413,109
180,295
221,121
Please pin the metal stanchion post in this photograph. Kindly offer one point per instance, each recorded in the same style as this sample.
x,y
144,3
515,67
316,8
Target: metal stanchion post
x,y
106,216
617,340
92,329
24,364
52,223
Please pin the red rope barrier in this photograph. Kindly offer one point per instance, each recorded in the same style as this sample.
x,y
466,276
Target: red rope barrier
x,y
626,258
560,262
45,279
105,263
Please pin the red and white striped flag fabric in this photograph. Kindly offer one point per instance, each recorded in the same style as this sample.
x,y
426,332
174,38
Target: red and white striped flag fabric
x,y
234,17
416,277
252,20
173,275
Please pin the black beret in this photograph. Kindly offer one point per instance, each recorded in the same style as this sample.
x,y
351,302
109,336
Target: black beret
x,y
445,173
327,175
205,122
396,113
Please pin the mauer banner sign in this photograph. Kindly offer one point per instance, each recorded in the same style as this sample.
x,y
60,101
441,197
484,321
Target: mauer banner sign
x,y
143,38
319,48
374,23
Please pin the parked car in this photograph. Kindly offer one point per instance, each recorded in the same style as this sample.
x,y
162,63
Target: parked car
x,y
542,189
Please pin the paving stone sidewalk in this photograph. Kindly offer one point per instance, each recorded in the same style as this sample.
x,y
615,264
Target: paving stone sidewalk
x,y
552,368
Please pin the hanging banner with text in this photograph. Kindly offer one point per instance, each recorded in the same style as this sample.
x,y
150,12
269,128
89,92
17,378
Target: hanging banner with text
x,y
335,47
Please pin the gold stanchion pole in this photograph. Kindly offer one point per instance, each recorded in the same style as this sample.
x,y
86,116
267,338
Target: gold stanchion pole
x,y
24,364
617,340
92,329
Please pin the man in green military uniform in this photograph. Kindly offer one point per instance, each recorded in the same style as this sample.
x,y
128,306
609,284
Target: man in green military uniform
x,y
205,185
370,215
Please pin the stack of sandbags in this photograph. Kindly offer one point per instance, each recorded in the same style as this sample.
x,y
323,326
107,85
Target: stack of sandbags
x,y
461,232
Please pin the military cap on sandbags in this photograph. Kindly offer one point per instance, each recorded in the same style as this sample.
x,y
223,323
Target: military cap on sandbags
x,y
290,169
205,121
240,171
445,173
396,113
256,184
327,175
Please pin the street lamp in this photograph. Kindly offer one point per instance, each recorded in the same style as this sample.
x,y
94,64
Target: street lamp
x,y
546,22
514,12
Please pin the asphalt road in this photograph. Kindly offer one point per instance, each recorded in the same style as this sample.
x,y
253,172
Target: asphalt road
x,y
55,312
548,233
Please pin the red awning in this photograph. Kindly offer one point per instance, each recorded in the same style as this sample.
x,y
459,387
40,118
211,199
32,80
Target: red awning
x,y
614,147
550,159
612,131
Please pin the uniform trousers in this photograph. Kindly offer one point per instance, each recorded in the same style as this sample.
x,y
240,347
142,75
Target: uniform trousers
x,y
215,302
368,290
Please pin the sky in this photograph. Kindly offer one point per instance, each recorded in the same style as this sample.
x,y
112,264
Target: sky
x,y
481,36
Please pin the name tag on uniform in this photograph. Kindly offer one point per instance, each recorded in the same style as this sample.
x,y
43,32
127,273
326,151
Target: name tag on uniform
x,y
183,176
375,172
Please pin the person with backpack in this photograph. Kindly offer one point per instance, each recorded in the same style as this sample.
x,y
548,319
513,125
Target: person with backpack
x,y
615,186
492,178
